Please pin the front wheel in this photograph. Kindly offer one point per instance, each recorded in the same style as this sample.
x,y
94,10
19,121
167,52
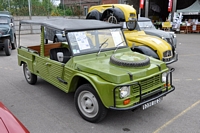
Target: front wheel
x,y
7,47
30,78
89,104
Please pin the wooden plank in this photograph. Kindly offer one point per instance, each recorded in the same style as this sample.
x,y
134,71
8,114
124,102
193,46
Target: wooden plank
x,y
47,48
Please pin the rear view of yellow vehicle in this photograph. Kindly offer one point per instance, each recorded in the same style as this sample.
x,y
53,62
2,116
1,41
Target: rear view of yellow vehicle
x,y
138,41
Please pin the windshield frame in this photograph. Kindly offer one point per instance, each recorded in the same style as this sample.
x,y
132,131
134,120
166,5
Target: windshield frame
x,y
98,42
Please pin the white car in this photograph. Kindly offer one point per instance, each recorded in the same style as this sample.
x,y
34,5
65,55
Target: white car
x,y
147,26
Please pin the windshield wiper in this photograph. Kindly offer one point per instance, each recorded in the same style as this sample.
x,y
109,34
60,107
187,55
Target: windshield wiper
x,y
118,46
101,46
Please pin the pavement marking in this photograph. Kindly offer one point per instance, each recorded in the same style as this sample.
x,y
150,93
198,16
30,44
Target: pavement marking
x,y
188,79
190,55
176,117
176,79
6,68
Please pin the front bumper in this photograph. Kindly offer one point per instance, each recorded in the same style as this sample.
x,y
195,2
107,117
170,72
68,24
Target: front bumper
x,y
171,60
148,99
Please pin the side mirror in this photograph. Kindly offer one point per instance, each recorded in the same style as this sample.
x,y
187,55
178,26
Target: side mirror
x,y
131,24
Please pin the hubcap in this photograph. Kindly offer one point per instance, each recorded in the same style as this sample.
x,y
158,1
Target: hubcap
x,y
88,104
27,74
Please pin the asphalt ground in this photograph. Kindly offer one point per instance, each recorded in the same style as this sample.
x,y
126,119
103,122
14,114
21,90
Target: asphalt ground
x,y
43,108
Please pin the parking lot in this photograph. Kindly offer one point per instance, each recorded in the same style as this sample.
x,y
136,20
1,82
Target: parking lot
x,y
43,108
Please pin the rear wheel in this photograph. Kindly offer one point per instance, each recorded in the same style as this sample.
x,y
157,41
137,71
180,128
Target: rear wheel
x,y
30,78
89,104
7,47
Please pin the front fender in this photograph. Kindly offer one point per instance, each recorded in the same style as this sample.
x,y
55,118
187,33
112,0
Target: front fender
x,y
146,50
7,36
139,38
103,88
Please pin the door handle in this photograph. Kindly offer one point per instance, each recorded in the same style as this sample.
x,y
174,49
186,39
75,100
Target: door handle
x,y
47,64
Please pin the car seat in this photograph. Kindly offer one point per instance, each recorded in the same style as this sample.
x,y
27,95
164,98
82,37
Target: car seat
x,y
62,51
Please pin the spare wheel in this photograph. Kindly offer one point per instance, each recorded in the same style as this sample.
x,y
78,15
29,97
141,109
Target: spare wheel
x,y
128,60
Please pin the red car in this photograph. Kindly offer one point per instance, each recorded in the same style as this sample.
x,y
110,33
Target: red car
x,y
9,123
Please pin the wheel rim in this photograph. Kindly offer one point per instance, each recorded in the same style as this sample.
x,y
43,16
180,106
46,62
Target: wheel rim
x,y
88,104
27,74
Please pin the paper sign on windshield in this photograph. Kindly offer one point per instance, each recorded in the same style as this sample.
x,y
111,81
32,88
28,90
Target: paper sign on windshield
x,y
117,38
82,41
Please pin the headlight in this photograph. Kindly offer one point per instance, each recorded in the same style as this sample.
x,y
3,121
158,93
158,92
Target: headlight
x,y
164,78
124,91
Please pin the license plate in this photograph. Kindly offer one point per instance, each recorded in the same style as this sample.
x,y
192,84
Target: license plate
x,y
149,104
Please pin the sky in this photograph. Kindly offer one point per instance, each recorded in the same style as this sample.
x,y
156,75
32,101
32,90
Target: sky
x,y
56,2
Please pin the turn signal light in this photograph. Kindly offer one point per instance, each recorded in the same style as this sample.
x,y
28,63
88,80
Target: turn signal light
x,y
167,85
127,101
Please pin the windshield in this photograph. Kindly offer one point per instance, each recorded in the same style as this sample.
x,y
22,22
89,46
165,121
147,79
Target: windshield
x,y
3,20
96,40
145,25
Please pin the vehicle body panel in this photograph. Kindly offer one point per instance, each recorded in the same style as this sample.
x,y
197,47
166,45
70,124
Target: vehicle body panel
x,y
9,123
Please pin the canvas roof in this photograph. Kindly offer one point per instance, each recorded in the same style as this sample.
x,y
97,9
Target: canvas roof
x,y
71,24
194,9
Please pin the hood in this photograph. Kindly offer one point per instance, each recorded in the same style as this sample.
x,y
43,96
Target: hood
x,y
159,33
143,39
104,68
4,30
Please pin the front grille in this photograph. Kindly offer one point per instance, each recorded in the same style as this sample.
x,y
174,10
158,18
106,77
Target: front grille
x,y
3,31
167,54
147,85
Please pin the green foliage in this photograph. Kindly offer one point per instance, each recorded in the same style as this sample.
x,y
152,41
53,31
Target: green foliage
x,y
38,8
62,10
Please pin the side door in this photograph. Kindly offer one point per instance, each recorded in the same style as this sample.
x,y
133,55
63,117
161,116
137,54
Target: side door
x,y
56,72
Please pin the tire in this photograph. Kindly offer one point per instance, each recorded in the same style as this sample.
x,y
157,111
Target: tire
x,y
14,45
7,47
88,104
30,78
120,62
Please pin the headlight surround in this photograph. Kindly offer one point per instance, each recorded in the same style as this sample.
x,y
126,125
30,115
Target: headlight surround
x,y
164,78
124,91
